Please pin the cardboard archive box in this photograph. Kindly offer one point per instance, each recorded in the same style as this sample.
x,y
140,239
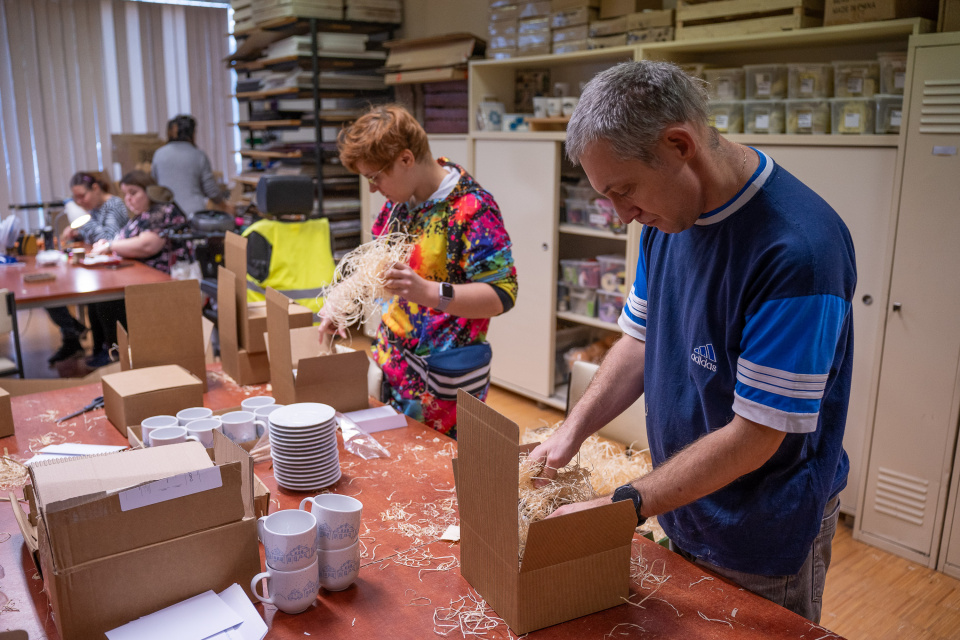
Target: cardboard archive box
x,y
572,566
301,371
617,8
242,325
850,11
164,322
131,396
122,535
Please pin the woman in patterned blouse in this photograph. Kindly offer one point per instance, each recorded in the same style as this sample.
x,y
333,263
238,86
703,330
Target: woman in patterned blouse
x,y
459,240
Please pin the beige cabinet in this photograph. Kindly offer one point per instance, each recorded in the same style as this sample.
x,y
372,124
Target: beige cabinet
x,y
912,445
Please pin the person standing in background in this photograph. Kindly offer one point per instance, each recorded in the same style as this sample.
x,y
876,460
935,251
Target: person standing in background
x,y
184,169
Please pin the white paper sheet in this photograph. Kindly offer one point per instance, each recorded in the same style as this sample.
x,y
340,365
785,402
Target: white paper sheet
x,y
71,450
177,486
195,619
253,626
378,419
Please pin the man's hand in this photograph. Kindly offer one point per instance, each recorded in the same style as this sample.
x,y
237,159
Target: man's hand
x,y
555,453
580,506
401,280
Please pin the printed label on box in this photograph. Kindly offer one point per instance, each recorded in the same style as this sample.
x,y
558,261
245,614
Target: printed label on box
x,y
171,488
763,81
895,117
851,120
804,119
807,85
762,121
899,79
855,86
722,122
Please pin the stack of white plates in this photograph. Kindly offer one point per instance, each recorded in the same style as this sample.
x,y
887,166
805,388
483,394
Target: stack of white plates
x,y
303,443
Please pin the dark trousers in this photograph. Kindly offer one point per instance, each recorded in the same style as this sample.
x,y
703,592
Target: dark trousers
x,y
103,320
70,327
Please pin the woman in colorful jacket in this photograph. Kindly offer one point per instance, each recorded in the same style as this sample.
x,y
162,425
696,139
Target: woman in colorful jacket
x,y
460,274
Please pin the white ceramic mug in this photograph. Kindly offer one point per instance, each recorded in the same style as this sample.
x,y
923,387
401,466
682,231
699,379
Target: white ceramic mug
x,y
255,402
155,422
289,539
554,107
168,435
241,426
187,416
540,106
263,413
569,104
202,430
339,567
338,519
290,591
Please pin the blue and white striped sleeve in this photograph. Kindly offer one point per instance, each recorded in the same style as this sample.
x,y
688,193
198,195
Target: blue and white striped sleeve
x,y
633,318
787,349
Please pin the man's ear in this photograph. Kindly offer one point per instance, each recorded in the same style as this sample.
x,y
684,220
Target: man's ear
x,y
680,142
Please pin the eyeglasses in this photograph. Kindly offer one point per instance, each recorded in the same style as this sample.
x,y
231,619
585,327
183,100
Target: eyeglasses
x,y
375,177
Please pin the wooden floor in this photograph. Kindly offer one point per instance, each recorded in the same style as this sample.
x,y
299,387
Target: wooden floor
x,y
870,594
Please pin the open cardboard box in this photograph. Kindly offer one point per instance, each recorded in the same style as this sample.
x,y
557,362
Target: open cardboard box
x,y
131,396
165,322
572,566
124,534
242,324
300,369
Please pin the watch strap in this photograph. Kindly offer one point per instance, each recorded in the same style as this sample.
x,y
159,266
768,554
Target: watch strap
x,y
629,492
446,296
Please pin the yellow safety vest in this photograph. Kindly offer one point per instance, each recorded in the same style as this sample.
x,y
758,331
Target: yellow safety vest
x,y
301,262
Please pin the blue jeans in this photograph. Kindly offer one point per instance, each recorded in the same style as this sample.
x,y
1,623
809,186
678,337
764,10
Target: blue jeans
x,y
801,593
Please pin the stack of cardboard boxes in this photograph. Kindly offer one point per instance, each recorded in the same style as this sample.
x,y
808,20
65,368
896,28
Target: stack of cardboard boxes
x,y
504,22
570,21
242,15
385,11
624,22
267,11
533,28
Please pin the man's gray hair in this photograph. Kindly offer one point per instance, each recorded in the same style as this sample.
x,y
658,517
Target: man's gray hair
x,y
629,105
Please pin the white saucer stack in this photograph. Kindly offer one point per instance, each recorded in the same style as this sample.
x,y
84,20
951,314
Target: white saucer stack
x,y
303,443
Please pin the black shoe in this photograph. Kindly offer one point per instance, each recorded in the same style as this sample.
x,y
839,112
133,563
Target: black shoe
x,y
98,359
68,349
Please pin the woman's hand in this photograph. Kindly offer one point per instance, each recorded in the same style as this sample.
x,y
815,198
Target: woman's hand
x,y
403,281
100,247
67,236
327,328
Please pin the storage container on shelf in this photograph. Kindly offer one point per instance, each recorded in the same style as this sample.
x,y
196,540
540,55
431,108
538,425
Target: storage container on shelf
x,y
580,273
852,115
726,116
766,81
889,113
808,116
694,69
763,116
893,72
576,210
583,301
613,272
724,84
856,78
579,192
609,305
809,80
563,296
606,212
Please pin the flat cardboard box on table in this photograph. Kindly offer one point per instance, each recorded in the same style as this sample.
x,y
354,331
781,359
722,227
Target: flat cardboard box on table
x,y
241,324
573,565
164,326
131,396
105,561
301,371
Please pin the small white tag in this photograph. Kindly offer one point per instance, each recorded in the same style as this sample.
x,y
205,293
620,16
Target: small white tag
x,y
722,122
452,533
944,151
763,81
762,121
171,488
805,120
855,86
896,115
851,120
807,86
899,79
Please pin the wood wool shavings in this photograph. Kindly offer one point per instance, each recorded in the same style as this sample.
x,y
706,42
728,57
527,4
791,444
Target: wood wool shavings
x,y
469,614
13,473
358,281
726,622
427,525
572,484
628,625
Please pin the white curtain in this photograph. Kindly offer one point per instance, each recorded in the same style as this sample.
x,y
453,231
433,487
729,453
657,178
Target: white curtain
x,y
73,72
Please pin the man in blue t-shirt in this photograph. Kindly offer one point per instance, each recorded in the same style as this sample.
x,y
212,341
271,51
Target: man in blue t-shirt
x,y
737,331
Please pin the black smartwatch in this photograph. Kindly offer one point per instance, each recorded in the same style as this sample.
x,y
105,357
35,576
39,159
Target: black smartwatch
x,y
446,296
628,492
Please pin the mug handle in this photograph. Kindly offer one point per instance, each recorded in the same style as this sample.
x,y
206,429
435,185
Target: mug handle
x,y
261,423
194,438
256,581
260,526
305,501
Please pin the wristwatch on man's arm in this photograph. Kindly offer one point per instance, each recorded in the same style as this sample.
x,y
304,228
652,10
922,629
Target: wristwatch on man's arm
x,y
446,296
628,492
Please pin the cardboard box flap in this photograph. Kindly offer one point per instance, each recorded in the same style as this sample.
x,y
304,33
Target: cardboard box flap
x,y
58,480
28,530
227,314
149,379
339,380
437,51
225,451
573,536
235,260
489,475
304,344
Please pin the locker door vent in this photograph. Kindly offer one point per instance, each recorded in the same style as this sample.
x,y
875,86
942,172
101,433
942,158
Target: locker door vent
x,y
901,495
940,109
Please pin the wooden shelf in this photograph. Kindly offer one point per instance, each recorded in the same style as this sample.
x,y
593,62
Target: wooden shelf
x,y
273,93
557,136
269,155
269,124
577,230
592,322
756,139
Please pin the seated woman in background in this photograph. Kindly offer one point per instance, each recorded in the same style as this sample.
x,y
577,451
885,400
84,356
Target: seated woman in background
x,y
151,211
107,215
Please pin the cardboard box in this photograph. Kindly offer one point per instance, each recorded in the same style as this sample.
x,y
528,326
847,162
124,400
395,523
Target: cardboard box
x,y
608,27
107,556
131,396
573,565
849,11
617,8
164,326
650,19
431,59
6,414
580,32
564,5
949,16
573,17
301,371
135,150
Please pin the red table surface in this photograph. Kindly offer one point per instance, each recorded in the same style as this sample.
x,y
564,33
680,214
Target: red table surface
x,y
390,599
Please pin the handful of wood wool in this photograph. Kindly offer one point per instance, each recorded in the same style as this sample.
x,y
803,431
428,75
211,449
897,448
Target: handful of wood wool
x,y
572,484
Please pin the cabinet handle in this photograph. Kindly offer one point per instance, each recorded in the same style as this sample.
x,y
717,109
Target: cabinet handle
x,y
545,246
868,299
897,306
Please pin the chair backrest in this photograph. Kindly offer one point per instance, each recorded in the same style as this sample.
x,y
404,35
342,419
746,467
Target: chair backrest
x,y
6,319
628,428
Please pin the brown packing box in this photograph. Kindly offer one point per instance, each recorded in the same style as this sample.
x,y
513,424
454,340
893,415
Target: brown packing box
x,y
164,326
579,32
431,59
573,565
6,415
106,562
849,11
564,5
335,379
650,19
573,17
261,493
131,396
617,8
135,150
608,27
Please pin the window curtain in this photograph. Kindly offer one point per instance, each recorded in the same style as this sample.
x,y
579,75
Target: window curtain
x,y
73,72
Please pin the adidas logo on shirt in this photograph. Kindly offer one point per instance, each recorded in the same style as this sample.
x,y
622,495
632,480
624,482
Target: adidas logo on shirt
x,y
705,357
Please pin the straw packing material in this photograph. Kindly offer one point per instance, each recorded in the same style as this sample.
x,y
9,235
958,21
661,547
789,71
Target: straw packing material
x,y
572,484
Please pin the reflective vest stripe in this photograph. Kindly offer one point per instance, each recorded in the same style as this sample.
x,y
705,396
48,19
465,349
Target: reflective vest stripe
x,y
290,293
